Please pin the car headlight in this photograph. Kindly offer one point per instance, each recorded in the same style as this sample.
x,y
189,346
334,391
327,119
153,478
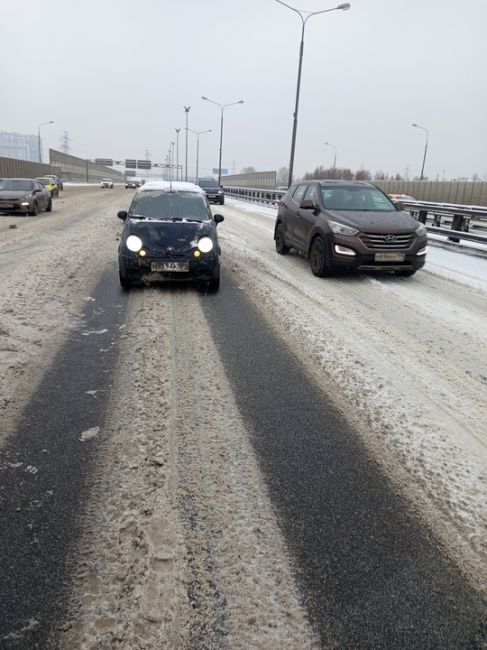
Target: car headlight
x,y
205,244
133,243
421,230
24,204
341,229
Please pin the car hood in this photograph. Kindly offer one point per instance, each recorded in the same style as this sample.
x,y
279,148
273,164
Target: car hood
x,y
375,222
13,194
163,236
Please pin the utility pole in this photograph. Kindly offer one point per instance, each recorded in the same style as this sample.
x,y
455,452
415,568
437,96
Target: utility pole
x,y
64,141
186,110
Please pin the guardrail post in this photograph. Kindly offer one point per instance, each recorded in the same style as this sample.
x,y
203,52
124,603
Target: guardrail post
x,y
437,220
422,214
460,223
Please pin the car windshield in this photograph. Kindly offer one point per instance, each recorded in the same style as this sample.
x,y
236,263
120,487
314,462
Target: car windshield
x,y
357,199
15,185
170,205
208,183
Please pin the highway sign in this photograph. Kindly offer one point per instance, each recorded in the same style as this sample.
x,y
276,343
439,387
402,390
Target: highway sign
x,y
108,162
144,164
130,163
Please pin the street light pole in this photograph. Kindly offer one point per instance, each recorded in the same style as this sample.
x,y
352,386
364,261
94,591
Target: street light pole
x,y
177,153
222,108
335,158
197,134
39,137
425,148
186,110
172,159
344,7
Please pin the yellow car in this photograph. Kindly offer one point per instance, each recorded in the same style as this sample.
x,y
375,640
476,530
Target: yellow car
x,y
49,184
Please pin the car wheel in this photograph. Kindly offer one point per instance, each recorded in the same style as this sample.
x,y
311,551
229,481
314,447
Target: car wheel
x,y
407,273
281,247
125,283
214,284
33,212
317,258
49,206
222,202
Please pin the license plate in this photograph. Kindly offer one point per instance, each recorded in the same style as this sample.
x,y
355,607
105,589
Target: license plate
x,y
6,205
178,267
389,257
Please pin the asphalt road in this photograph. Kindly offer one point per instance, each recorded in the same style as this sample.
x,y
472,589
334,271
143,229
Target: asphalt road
x,y
372,576
44,472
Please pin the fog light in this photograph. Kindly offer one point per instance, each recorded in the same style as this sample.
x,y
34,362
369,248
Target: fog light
x,y
197,254
343,250
422,251
142,253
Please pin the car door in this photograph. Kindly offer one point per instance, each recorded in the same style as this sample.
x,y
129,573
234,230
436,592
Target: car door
x,y
43,195
306,218
293,213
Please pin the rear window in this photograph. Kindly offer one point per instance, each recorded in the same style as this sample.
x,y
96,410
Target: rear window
x,y
368,199
169,205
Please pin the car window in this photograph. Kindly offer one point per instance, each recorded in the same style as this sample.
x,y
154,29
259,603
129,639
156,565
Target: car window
x,y
39,186
311,194
15,185
299,193
356,199
167,205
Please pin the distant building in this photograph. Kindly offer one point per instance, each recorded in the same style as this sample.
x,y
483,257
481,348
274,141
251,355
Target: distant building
x,y
21,147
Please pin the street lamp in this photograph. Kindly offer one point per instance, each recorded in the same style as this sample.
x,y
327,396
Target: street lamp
x,y
39,136
172,159
344,7
222,108
425,147
177,153
186,110
197,134
335,158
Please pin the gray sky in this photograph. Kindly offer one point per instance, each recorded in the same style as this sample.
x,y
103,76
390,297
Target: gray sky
x,y
115,75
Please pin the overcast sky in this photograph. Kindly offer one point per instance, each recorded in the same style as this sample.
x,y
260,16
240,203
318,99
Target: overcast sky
x,y
115,75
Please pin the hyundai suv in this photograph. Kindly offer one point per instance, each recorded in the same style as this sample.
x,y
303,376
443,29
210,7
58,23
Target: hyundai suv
x,y
348,225
169,234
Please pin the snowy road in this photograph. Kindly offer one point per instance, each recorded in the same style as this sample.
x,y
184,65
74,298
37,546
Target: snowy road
x,y
185,539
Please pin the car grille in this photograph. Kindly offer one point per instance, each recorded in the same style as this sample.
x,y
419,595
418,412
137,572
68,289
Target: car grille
x,y
395,242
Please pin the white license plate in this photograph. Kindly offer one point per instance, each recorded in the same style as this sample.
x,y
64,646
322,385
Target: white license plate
x,y
178,267
389,257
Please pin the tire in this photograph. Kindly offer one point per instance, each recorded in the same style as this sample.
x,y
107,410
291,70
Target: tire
x,y
33,212
406,274
222,202
57,193
125,283
317,258
49,206
281,247
214,284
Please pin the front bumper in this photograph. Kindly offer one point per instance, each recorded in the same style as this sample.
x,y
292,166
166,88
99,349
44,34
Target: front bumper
x,y
377,259
9,207
139,269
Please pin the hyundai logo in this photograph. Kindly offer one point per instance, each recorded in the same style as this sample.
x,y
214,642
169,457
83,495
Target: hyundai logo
x,y
390,238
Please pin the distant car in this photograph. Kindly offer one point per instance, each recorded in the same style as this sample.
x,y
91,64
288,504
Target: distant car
x,y
24,196
169,235
106,182
214,192
131,184
348,225
400,197
56,179
49,184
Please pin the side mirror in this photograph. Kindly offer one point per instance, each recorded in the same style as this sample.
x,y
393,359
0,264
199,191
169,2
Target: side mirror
x,y
308,205
218,218
122,214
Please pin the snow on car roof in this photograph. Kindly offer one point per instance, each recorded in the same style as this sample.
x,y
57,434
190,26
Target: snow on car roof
x,y
176,186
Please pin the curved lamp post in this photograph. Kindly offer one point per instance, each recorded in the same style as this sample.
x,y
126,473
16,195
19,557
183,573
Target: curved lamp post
x,y
425,147
177,153
222,108
197,134
186,110
39,136
304,19
335,158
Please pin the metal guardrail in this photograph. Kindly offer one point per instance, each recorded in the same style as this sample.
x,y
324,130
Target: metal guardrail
x,y
461,217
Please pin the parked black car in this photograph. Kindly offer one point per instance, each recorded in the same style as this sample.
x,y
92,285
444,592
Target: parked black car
x,y
169,234
132,184
348,225
213,191
24,196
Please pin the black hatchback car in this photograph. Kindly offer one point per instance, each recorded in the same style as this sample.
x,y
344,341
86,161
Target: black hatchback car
x,y
351,226
169,234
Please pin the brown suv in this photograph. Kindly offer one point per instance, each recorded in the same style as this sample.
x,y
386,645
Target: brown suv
x,y
348,225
